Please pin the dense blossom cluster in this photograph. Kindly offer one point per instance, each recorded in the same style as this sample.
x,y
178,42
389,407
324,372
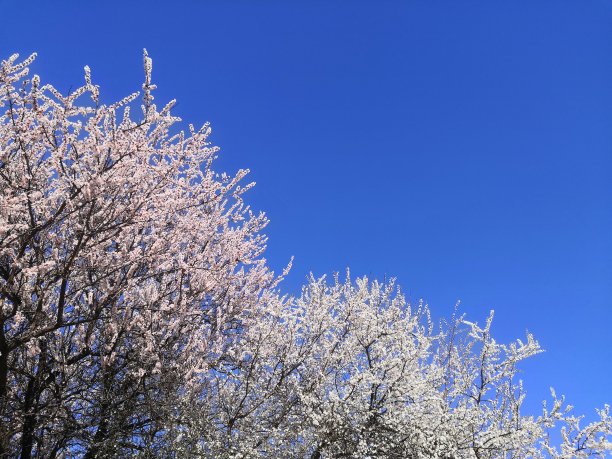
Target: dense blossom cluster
x,y
350,370
139,319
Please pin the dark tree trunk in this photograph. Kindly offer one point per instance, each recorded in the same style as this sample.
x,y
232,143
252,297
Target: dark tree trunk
x,y
103,425
29,420
4,356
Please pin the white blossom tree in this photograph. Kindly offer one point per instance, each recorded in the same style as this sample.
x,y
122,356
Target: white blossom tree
x,y
138,317
350,370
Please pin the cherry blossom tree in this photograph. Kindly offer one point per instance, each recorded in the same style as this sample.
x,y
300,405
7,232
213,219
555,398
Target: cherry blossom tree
x,y
138,317
124,261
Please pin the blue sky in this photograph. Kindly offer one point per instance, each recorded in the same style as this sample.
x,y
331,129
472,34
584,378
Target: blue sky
x,y
463,147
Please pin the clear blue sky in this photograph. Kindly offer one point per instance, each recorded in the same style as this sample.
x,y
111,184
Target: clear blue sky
x,y
464,147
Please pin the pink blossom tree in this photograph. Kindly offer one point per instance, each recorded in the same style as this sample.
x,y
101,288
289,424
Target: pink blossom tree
x,y
125,262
